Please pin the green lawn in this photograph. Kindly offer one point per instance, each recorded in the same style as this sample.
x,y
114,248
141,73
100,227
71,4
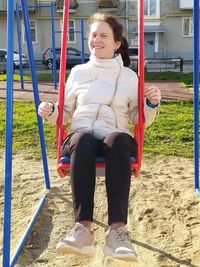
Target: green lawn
x,y
170,134
184,78
16,77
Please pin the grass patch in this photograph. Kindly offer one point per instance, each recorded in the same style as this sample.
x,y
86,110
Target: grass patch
x,y
185,78
48,77
172,131
170,134
16,77
25,129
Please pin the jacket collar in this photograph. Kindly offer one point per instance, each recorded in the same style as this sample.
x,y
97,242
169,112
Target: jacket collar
x,y
115,62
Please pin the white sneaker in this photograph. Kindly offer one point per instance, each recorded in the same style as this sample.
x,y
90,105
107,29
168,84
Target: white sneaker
x,y
79,241
118,245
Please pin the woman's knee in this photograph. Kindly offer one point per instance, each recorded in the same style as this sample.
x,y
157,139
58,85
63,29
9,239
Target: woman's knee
x,y
117,138
121,142
85,141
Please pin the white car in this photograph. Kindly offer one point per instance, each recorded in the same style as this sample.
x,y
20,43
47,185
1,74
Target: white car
x,y
3,53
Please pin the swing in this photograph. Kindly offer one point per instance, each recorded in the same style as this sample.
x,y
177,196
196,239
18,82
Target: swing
x,y
63,164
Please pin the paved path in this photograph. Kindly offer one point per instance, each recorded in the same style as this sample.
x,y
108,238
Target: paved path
x,y
169,90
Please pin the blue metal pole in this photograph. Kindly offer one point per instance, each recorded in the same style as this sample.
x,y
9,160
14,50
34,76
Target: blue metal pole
x,y
19,46
27,232
8,135
196,91
53,46
35,90
82,40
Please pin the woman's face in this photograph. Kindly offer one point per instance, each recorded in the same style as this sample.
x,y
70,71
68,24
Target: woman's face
x,y
101,40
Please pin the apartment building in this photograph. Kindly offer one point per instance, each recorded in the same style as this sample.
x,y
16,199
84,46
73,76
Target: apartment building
x,y
168,24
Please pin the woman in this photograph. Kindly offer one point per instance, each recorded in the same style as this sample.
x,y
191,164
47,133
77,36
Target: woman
x,y
101,97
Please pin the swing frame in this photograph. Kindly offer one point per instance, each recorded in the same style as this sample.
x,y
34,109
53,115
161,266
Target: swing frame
x,y
63,164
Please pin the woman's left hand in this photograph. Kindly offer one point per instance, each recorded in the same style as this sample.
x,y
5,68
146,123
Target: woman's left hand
x,y
153,94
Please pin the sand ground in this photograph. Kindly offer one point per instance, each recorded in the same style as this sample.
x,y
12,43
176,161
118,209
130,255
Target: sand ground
x,y
164,215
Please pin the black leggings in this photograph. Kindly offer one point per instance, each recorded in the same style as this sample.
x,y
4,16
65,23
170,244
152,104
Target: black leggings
x,y
117,148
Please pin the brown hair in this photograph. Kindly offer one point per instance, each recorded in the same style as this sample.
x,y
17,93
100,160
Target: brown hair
x,y
117,29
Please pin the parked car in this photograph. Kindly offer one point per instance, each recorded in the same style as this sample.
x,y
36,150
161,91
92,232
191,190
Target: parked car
x,y
133,53
74,57
2,65
3,53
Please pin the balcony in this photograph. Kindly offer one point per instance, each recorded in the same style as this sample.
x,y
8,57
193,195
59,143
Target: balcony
x,y
108,4
32,3
72,7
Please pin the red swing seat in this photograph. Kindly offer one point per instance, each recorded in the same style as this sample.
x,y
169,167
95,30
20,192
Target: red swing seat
x,y
63,167
63,164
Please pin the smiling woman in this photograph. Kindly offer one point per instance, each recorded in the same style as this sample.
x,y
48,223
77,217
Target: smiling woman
x,y
101,97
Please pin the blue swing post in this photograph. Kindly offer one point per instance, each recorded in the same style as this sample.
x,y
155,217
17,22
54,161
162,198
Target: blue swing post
x,y
82,41
8,135
196,91
35,89
41,134
27,232
19,46
53,45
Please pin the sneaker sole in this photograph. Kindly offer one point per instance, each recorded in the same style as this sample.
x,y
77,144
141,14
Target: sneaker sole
x,y
66,249
125,257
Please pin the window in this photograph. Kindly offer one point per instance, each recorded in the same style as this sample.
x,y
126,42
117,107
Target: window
x,y
187,30
71,34
150,8
33,31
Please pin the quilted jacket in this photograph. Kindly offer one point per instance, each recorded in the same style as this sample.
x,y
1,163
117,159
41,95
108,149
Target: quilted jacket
x,y
101,96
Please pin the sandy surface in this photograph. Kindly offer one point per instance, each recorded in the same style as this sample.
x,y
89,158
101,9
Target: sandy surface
x,y
164,215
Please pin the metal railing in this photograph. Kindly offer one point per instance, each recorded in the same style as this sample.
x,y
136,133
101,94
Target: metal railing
x,y
160,64
59,4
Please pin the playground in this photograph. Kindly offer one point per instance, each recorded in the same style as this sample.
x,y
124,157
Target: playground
x,y
164,207
164,215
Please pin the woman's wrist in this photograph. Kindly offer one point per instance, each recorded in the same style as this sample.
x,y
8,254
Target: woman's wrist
x,y
149,104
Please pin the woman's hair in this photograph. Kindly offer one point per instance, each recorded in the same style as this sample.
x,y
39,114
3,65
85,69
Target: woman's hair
x,y
117,29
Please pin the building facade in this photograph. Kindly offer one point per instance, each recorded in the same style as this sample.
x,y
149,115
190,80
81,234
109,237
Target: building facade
x,y
168,24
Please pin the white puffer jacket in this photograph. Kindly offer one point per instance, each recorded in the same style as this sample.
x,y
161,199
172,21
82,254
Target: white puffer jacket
x,y
101,96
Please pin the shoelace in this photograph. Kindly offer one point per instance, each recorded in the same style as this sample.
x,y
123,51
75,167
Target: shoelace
x,y
76,230
122,236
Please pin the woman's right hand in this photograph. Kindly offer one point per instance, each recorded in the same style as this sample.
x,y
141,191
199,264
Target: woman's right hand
x,y
45,109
